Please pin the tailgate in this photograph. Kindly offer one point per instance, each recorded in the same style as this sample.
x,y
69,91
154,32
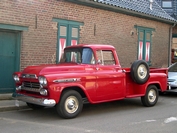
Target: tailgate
x,y
159,70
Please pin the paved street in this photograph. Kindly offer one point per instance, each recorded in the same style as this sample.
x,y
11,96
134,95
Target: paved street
x,y
125,116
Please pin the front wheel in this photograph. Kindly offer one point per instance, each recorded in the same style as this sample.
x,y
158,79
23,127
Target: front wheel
x,y
151,96
70,104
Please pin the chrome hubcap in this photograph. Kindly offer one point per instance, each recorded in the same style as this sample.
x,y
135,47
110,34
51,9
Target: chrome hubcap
x,y
142,71
71,104
152,95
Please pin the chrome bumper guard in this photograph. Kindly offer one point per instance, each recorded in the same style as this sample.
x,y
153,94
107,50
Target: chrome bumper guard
x,y
33,100
169,86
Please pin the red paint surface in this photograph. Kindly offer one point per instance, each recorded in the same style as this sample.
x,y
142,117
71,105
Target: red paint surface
x,y
99,83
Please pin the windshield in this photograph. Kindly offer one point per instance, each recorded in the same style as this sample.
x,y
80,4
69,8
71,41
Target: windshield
x,y
173,68
78,55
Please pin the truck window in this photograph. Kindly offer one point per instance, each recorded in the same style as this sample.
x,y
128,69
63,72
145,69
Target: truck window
x,y
73,56
105,57
78,55
87,56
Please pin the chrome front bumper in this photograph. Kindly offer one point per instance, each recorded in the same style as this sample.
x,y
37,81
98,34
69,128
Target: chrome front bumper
x,y
33,100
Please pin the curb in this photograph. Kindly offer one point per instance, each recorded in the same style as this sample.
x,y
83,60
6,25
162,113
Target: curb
x,y
7,103
12,108
7,96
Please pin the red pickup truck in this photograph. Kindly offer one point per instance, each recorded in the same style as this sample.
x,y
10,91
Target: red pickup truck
x,y
88,73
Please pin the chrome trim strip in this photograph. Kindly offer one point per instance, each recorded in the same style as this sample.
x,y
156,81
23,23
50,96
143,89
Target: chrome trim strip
x,y
66,80
33,100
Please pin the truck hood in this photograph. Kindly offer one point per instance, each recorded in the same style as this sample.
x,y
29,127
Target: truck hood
x,y
54,69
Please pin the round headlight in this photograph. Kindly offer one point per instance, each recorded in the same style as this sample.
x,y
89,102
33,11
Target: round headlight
x,y
16,78
42,81
43,92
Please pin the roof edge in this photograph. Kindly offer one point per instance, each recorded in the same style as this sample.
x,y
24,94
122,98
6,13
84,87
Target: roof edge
x,y
120,10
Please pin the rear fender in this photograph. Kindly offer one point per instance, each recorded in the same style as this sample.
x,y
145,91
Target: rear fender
x,y
159,86
159,79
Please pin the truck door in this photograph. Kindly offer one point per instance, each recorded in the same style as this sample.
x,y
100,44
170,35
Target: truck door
x,y
110,78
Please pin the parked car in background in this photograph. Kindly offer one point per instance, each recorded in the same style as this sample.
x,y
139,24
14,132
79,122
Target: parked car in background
x,y
172,78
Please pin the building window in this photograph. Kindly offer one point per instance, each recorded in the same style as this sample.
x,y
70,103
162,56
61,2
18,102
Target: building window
x,y
144,43
166,4
68,34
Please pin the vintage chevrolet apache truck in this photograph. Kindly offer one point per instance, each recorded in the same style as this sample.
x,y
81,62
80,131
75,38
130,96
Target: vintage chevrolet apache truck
x,y
87,74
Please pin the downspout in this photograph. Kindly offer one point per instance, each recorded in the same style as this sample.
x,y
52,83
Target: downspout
x,y
170,44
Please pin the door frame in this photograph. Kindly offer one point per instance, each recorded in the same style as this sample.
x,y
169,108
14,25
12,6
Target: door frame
x,y
18,30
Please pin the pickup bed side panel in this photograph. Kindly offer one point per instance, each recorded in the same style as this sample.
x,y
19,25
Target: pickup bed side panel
x,y
134,89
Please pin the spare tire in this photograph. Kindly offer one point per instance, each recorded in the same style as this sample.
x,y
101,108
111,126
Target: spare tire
x,y
139,71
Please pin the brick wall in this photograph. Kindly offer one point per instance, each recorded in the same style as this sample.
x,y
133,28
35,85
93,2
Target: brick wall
x,y
39,42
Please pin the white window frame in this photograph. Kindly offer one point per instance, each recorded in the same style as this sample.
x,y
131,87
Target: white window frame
x,y
167,4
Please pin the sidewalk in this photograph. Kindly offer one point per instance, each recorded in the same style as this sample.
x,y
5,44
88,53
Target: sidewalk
x,y
7,103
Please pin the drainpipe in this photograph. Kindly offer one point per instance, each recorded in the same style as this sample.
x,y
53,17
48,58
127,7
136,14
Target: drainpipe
x,y
170,44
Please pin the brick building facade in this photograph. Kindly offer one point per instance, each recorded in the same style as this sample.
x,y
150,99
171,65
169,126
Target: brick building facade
x,y
170,7
36,27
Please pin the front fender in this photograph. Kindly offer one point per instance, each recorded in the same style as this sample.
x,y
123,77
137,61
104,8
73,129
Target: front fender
x,y
55,90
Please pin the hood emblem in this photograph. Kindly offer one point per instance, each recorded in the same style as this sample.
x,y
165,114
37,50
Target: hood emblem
x,y
33,76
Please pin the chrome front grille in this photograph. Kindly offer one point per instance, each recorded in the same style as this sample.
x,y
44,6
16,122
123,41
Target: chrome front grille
x,y
31,86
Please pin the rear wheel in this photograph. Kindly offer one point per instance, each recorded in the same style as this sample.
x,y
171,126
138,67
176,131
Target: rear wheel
x,y
70,104
151,96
